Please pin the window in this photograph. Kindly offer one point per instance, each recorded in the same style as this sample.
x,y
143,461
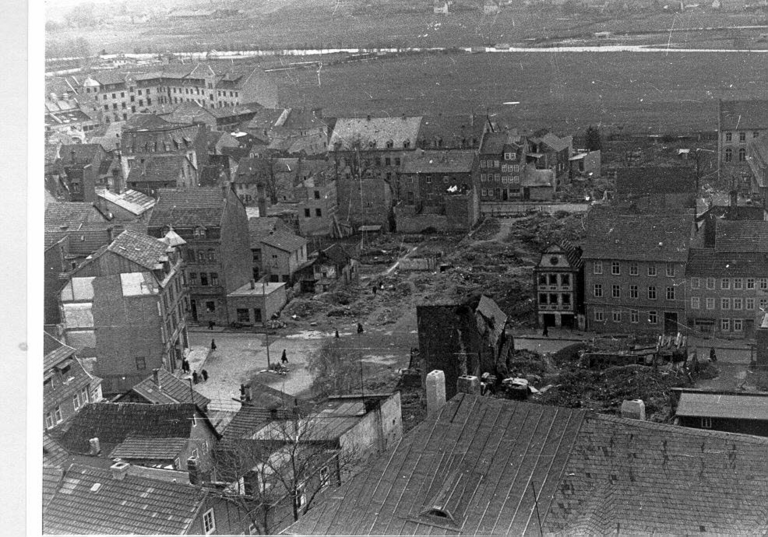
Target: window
x,y
763,284
749,303
728,137
742,137
483,177
397,161
325,477
615,268
634,291
214,278
598,267
725,283
307,213
738,303
199,232
695,283
755,134
652,292
484,192
750,283
543,298
599,316
495,163
651,270
764,304
193,278
725,325
387,161
552,278
210,306
84,396
710,303
211,255
671,293
565,280
598,290
141,363
653,317
634,316
729,155
742,154
695,303
616,315
670,270
738,283
318,212
57,414
76,401
710,283
738,325
201,256
725,303
616,291
203,278
209,522
49,423
706,423
633,269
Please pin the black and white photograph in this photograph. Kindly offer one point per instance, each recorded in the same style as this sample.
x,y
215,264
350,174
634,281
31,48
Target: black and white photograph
x,y
399,267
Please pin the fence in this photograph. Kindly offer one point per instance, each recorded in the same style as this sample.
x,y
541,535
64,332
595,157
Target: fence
x,y
517,208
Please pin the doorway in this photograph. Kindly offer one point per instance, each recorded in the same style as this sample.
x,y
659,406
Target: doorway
x,y
670,323
193,306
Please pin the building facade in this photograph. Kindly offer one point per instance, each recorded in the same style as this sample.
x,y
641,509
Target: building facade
x,y
739,123
559,284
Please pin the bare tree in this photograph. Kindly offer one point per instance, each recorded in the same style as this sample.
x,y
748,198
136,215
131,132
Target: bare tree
x,y
277,473
335,368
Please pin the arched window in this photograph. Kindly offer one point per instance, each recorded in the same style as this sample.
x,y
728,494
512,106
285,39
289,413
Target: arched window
x,y
742,154
728,155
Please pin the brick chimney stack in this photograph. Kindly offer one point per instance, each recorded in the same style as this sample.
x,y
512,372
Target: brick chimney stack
x,y
435,392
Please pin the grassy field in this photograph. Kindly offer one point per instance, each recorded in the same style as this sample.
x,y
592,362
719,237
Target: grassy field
x,y
651,92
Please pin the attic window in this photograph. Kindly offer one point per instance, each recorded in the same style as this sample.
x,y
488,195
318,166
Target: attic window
x,y
390,144
437,512
406,144
95,487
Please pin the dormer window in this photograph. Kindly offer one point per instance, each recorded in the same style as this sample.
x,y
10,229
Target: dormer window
x,y
406,144
199,232
390,144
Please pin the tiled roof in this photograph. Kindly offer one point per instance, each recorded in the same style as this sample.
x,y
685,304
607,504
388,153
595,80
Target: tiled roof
x,y
171,138
55,351
234,111
91,501
83,153
741,236
451,128
145,121
143,448
743,406
336,254
131,200
465,470
757,156
299,119
612,234
379,130
62,390
54,453
284,240
493,142
261,226
73,215
743,115
632,182
456,161
108,77
112,423
709,263
264,121
143,250
51,477
189,112
252,171
188,207
158,169
171,390
641,478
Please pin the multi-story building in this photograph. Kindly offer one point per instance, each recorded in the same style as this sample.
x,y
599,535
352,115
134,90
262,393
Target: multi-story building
x,y
126,307
67,386
559,284
757,158
429,176
634,271
547,151
739,122
282,254
214,224
727,278
451,132
501,166
154,172
317,205
670,187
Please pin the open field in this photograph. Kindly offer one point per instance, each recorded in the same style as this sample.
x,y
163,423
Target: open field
x,y
647,92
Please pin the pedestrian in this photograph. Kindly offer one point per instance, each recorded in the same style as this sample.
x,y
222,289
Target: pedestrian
x,y
374,290
205,375
546,332
284,358
213,344
359,328
337,333
185,366
712,355
195,377
210,325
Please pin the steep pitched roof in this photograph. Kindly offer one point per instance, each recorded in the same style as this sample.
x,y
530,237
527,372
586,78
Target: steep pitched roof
x,y
284,240
54,453
112,423
741,236
428,161
252,171
141,249
743,115
465,470
493,143
190,112
90,501
646,181
67,216
55,351
158,169
612,234
704,262
142,448
744,406
171,390
639,477
82,153
170,138
131,200
51,477
451,127
145,121
377,130
188,207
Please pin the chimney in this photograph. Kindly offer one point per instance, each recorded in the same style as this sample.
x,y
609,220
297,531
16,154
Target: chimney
x,y
192,468
468,384
95,447
435,391
253,283
634,409
119,470
262,206
156,377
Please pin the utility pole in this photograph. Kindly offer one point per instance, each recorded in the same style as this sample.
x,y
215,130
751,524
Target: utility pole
x,y
264,318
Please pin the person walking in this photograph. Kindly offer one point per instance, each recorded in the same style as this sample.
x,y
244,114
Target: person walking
x,y
359,328
337,333
213,344
205,375
545,333
712,355
284,358
185,366
195,377
210,325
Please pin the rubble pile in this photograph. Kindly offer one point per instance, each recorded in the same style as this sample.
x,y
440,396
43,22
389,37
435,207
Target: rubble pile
x,y
543,229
